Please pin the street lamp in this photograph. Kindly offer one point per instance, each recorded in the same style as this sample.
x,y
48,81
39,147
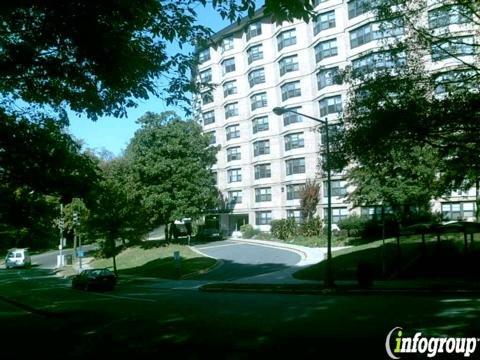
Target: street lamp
x,y
329,282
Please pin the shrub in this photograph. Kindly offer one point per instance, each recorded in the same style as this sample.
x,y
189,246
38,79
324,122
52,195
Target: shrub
x,y
354,225
284,229
248,231
311,227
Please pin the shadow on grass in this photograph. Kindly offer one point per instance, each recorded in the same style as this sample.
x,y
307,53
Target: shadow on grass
x,y
446,259
169,268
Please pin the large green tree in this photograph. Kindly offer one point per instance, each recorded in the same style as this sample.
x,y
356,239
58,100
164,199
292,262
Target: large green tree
x,y
394,109
113,215
99,57
171,162
40,165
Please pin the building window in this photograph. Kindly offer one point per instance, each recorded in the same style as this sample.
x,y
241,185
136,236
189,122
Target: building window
x,y
328,77
262,171
207,97
337,214
357,7
258,101
378,61
263,194
326,49
228,65
234,153
233,131
290,90
234,197
453,80
234,175
295,166
453,47
291,118
254,29
286,38
208,117
330,105
295,214
448,15
211,137
204,56
294,191
294,141
375,212
288,64
324,21
375,31
231,110
256,77
260,124
263,217
227,44
261,147
229,88
254,53
339,188
458,211
206,76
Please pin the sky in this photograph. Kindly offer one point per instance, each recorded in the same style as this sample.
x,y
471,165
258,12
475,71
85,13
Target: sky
x,y
113,134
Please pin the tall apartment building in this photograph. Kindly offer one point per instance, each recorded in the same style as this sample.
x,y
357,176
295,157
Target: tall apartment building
x,y
265,159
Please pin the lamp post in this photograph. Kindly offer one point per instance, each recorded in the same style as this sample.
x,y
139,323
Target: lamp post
x,y
329,282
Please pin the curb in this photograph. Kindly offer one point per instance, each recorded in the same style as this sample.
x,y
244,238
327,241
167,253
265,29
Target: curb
x,y
30,309
320,290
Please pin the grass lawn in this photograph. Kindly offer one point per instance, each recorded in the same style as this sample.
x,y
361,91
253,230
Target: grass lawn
x,y
157,261
446,259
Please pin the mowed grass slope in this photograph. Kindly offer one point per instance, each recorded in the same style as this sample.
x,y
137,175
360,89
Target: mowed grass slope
x,y
158,261
446,259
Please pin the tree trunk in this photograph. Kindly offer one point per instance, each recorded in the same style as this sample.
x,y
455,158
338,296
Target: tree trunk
x,y
114,264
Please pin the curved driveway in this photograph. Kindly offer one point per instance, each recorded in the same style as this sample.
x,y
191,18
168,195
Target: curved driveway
x,y
242,259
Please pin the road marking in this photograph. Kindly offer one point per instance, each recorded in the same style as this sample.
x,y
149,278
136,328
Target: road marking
x,y
217,246
127,298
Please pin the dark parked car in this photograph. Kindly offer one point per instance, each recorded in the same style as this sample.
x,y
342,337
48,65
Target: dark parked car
x,y
94,279
209,235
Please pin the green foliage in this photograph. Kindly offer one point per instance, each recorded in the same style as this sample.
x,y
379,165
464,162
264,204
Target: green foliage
x,y
170,161
311,227
404,122
353,224
248,231
49,56
41,166
284,229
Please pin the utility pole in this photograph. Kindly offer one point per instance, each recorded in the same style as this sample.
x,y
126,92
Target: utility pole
x,y
60,246
75,221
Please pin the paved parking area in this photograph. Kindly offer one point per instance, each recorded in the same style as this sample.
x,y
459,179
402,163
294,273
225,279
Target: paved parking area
x,y
242,259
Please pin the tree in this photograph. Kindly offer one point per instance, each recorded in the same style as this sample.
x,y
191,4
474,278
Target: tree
x,y
309,199
403,182
394,110
99,57
113,216
40,166
171,161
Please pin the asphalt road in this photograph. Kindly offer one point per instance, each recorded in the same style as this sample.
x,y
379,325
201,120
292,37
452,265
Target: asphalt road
x,y
138,319
48,260
245,259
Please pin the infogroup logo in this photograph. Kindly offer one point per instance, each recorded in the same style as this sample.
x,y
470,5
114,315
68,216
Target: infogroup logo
x,y
397,344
